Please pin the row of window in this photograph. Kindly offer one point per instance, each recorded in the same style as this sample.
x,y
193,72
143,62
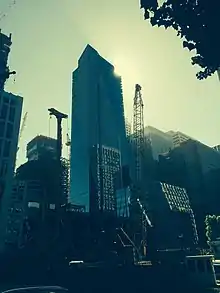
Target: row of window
x,y
5,147
3,168
9,129
7,112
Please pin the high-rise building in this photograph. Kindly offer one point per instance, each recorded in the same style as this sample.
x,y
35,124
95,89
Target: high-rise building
x,y
97,119
10,117
5,44
41,146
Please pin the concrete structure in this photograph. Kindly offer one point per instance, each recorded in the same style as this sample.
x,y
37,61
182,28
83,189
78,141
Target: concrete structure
x,y
25,204
41,146
10,117
161,142
97,119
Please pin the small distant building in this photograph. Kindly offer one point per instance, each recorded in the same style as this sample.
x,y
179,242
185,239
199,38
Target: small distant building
x,y
178,137
161,142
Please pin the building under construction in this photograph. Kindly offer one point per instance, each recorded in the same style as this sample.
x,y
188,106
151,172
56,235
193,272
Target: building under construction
x,y
5,44
39,178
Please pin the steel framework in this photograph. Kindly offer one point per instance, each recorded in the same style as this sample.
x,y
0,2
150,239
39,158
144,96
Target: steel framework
x,y
138,132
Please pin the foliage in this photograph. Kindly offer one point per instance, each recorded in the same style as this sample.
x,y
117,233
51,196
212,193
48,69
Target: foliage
x,y
212,224
196,23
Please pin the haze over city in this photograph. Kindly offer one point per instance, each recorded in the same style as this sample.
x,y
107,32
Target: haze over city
x,y
49,36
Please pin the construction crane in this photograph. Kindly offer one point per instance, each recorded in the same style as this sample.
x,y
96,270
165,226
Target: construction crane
x,y
59,116
138,190
138,132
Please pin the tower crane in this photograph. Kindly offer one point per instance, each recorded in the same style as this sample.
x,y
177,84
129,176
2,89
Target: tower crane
x,y
138,191
138,132
59,116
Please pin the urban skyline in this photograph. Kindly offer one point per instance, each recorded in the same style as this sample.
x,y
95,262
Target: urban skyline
x,y
159,186
161,90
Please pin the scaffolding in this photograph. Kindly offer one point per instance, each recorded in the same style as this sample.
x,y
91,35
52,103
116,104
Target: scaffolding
x,y
103,169
138,133
128,129
65,178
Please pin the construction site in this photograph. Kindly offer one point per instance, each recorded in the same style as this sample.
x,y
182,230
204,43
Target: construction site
x,y
125,223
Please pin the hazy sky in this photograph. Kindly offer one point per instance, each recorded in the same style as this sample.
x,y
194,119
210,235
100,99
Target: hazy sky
x,y
49,36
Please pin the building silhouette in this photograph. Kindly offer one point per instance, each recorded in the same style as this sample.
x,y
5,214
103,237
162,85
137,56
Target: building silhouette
x,y
5,44
10,117
97,120
195,167
35,200
40,147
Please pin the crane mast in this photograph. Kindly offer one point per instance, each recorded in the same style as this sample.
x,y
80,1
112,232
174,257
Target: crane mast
x,y
139,193
138,132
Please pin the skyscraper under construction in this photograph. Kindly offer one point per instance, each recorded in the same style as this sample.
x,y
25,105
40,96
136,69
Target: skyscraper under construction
x,y
99,145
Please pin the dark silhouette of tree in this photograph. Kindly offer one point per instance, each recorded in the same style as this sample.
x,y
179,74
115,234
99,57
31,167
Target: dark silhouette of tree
x,y
196,23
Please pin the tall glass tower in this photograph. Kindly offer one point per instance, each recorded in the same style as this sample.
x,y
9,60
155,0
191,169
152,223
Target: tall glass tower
x,y
97,123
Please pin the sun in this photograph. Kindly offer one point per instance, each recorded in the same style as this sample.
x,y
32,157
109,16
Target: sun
x,y
126,69
120,67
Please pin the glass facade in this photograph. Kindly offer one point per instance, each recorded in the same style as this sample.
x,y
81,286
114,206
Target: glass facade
x,y
97,119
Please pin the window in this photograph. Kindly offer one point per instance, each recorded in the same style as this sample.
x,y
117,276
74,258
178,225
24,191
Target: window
x,y
191,265
201,266
11,114
2,128
7,147
3,169
9,131
6,100
4,111
0,147
13,102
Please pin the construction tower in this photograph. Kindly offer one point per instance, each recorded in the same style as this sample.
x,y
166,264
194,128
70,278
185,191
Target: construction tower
x,y
62,165
5,44
139,198
138,133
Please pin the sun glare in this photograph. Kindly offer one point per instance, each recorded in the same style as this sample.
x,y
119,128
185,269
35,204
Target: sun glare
x,y
121,67
125,68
